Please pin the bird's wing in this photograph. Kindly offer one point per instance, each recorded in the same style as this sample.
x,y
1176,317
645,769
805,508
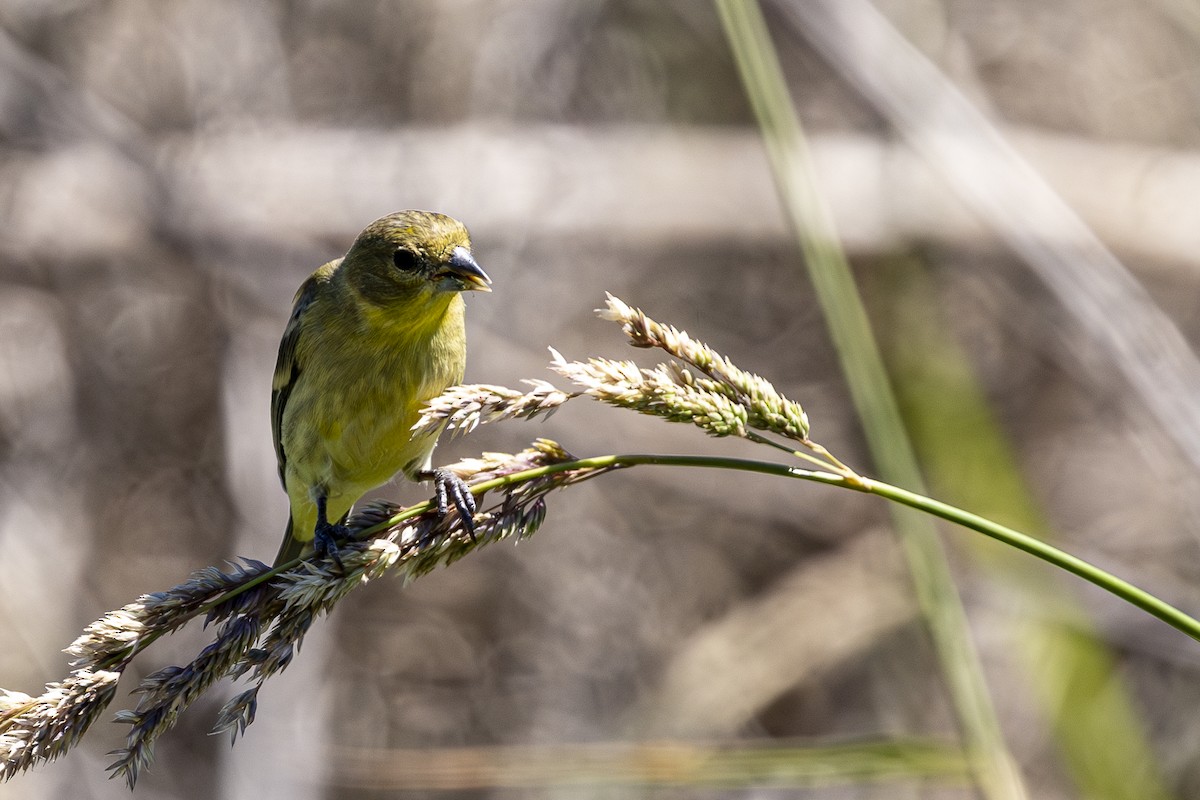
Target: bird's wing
x,y
288,368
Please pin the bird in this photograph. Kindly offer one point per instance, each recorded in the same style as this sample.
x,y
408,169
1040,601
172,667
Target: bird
x,y
372,336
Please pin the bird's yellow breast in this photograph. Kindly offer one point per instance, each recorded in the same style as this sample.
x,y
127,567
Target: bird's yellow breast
x,y
348,421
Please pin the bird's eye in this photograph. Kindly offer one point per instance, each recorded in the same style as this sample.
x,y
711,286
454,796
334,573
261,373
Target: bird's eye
x,y
405,260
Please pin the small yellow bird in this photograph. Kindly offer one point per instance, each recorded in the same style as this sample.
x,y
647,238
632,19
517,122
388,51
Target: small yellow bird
x,y
373,335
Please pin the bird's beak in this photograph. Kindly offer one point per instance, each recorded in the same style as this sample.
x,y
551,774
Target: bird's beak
x,y
470,275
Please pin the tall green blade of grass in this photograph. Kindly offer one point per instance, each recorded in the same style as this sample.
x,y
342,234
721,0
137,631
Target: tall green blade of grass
x,y
1072,673
850,331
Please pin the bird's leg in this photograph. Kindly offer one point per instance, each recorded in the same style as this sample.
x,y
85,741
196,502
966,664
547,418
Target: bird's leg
x,y
327,538
452,489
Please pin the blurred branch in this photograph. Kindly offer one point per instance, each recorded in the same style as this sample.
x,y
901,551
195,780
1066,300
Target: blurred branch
x,y
647,763
775,643
656,185
660,183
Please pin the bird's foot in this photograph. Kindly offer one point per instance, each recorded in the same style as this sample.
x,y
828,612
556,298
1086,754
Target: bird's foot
x,y
328,540
452,489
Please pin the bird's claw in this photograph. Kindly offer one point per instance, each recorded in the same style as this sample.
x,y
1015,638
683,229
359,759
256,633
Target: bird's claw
x,y
328,540
452,489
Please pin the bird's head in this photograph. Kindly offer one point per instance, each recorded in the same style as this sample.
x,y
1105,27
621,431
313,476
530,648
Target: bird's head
x,y
413,255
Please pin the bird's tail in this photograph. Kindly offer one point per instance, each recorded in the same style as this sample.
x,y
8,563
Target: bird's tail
x,y
292,548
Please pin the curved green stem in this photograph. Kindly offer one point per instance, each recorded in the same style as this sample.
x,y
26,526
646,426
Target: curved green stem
x,y
1060,558
1035,547
1048,553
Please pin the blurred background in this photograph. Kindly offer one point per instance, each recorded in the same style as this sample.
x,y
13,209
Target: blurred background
x,y
171,170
